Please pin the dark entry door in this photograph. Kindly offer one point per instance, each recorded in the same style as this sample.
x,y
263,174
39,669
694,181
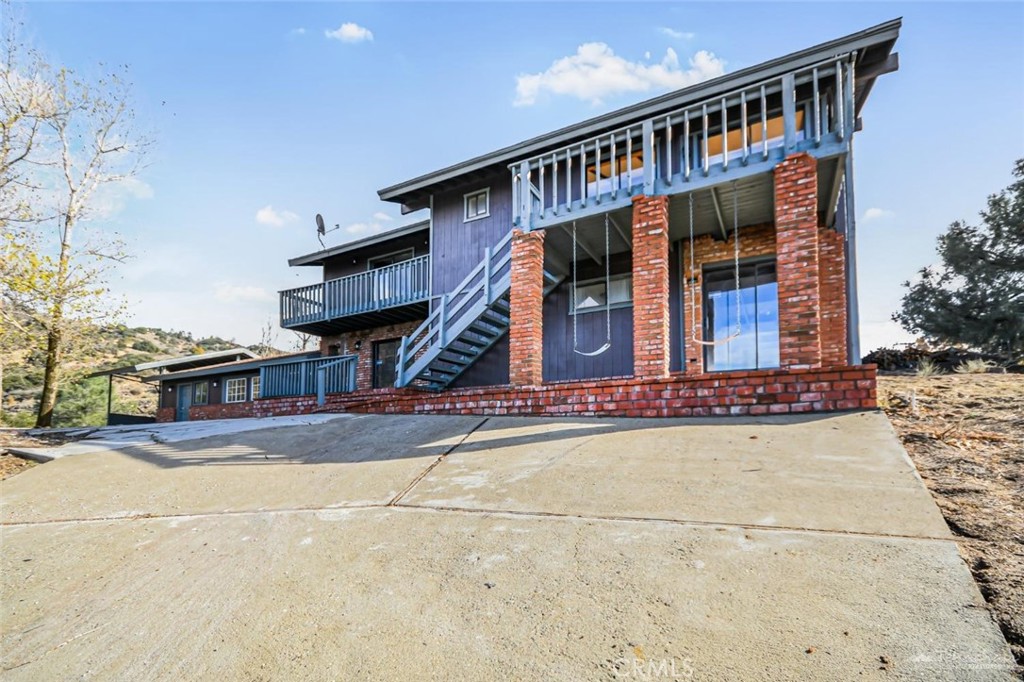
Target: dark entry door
x,y
385,357
184,402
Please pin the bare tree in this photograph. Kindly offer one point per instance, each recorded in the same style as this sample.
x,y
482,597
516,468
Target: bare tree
x,y
57,292
304,341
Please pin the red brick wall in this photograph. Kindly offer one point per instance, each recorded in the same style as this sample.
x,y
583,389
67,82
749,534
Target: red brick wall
x,y
165,414
832,287
526,303
221,411
759,392
650,287
755,240
796,247
366,337
303,404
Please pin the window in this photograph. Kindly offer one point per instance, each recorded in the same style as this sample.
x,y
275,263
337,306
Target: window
x,y
627,172
757,344
478,205
234,390
255,387
200,393
390,259
593,296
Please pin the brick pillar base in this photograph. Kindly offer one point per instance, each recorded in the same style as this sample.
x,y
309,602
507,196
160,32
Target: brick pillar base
x,y
526,334
650,287
797,264
832,288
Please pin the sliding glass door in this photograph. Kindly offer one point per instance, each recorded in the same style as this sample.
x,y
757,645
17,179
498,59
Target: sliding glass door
x,y
750,341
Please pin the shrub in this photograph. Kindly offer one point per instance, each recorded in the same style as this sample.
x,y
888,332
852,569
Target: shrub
x,y
927,368
975,366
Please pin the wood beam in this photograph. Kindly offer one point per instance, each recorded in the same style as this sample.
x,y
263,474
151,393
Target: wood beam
x,y
718,214
626,236
583,245
833,193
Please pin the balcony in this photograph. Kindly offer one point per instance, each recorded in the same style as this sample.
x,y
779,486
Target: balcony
x,y
739,136
395,293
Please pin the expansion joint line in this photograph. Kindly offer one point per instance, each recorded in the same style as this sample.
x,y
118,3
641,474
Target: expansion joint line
x,y
398,498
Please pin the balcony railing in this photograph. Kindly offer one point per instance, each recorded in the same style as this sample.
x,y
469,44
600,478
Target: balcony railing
x,y
395,285
742,132
307,377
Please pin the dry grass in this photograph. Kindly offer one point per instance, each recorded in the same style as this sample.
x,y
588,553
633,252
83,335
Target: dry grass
x,y
10,465
965,433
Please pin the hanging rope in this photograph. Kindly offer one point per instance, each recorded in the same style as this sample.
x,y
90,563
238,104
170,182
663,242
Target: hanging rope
x,y
607,295
736,275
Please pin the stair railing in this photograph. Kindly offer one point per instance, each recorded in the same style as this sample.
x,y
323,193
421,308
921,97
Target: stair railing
x,y
456,309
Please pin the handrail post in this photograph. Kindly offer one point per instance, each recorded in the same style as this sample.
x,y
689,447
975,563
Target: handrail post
x,y
789,111
487,275
443,321
321,385
648,149
525,196
400,374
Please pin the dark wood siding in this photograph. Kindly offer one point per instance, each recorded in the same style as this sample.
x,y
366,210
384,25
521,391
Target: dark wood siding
x,y
358,261
490,370
459,246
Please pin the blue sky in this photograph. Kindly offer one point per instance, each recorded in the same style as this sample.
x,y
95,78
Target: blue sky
x,y
254,105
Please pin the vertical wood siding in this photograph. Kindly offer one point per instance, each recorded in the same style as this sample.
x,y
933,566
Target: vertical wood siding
x,y
459,246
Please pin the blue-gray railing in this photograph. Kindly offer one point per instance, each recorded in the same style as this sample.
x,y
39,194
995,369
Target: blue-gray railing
x,y
810,109
308,377
394,285
456,310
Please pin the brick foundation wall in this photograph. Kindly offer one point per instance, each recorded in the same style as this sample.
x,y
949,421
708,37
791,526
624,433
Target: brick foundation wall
x,y
165,414
650,287
761,392
832,302
366,337
755,240
526,303
199,413
796,252
303,404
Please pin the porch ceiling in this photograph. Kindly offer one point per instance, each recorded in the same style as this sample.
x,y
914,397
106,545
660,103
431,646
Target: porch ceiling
x,y
755,204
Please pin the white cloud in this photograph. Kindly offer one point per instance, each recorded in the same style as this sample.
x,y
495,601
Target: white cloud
x,y
237,293
297,32
595,72
268,215
676,35
364,229
876,214
350,33
110,199
382,216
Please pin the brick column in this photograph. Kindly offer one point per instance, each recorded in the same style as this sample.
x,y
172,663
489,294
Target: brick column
x,y
832,290
650,287
797,254
526,301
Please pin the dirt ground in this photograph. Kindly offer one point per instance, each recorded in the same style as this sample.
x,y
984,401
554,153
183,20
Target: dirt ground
x,y
965,433
11,464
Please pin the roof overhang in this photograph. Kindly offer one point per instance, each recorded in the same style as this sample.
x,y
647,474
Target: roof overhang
x,y
232,367
872,45
178,364
318,257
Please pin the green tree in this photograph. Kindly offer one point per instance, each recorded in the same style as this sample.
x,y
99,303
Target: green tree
x,y
976,297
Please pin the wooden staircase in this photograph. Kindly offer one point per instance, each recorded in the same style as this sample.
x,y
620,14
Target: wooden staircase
x,y
464,325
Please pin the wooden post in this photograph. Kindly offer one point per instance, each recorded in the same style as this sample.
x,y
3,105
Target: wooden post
x,y
110,395
648,142
789,111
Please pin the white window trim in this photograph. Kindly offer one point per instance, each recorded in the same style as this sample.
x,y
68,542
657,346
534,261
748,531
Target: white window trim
x,y
252,387
227,389
599,308
465,205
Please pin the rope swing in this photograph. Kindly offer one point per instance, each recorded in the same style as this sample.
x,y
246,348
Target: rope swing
x,y
607,296
736,274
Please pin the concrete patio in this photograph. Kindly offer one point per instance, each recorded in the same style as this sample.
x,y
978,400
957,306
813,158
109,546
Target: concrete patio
x,y
471,548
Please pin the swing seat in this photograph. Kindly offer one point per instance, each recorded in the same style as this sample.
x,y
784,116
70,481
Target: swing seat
x,y
593,353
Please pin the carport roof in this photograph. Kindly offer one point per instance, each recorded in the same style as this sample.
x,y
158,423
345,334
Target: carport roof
x,y
229,367
182,363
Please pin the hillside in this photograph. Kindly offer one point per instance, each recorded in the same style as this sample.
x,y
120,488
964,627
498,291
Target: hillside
x,y
83,402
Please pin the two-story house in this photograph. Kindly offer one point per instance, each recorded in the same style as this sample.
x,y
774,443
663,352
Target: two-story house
x,y
691,254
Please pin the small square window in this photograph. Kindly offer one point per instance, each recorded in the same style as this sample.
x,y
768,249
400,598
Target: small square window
x,y
595,295
234,390
477,205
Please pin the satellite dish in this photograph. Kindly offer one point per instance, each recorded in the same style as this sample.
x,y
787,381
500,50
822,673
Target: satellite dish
x,y
321,230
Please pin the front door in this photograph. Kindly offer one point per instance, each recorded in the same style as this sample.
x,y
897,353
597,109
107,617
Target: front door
x,y
385,357
184,402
